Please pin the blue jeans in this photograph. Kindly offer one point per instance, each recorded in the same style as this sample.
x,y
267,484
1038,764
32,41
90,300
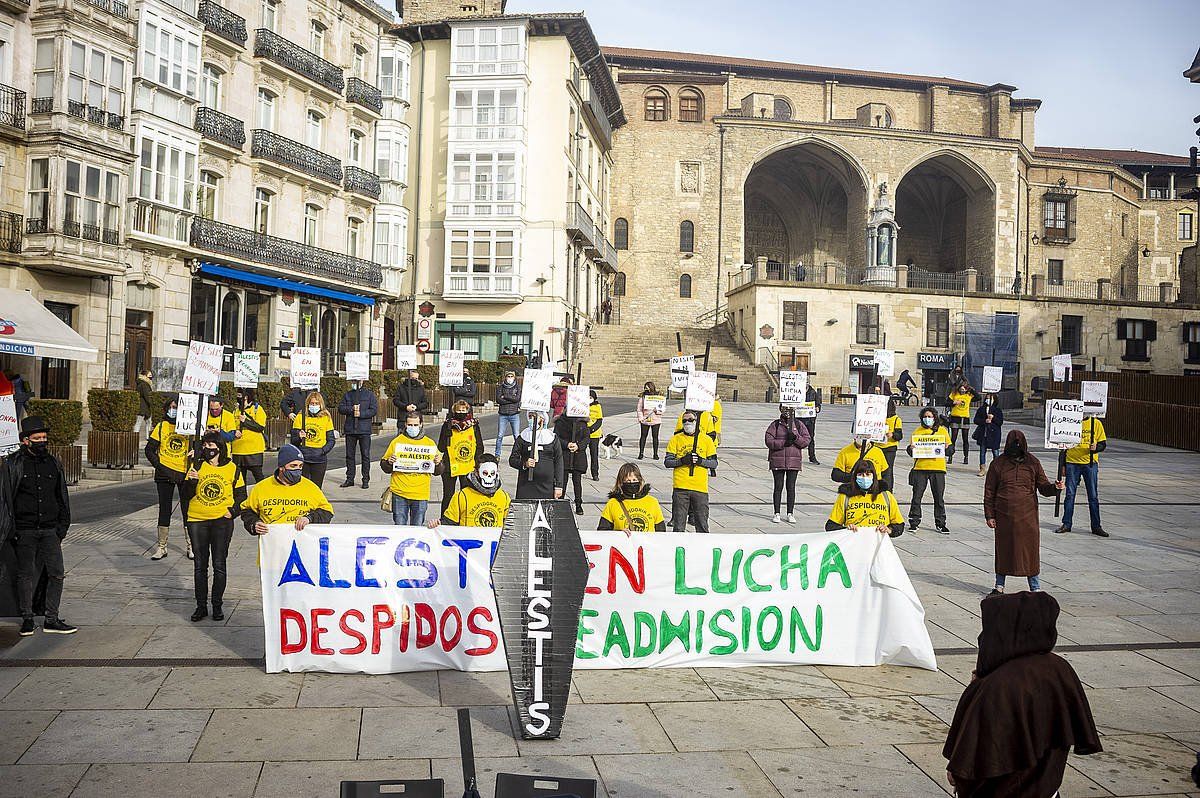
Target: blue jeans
x,y
983,450
408,511
1090,474
512,423
1034,582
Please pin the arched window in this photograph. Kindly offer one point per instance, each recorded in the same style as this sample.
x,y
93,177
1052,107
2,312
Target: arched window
x,y
658,106
687,237
230,319
316,37
685,286
783,109
621,234
691,106
619,284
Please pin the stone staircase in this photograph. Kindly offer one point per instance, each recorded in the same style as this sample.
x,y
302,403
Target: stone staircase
x,y
621,358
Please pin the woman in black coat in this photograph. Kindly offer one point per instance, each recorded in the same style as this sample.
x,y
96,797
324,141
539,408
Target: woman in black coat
x,y
573,436
538,458
989,425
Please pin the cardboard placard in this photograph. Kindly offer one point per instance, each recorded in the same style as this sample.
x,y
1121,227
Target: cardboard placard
x,y
793,387
187,414
450,367
358,366
682,367
535,390
993,379
246,366
1064,423
202,374
1061,367
306,367
1094,395
701,391
655,404
10,435
412,458
406,356
807,410
870,416
885,362
928,447
578,401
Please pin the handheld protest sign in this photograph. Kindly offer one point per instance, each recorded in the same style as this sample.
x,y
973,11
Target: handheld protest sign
x,y
579,400
1064,423
1094,395
246,366
358,366
1061,365
793,387
806,410
870,416
414,458
187,414
202,373
536,389
654,403
682,367
928,447
10,436
450,367
885,362
539,573
993,378
701,391
406,357
306,367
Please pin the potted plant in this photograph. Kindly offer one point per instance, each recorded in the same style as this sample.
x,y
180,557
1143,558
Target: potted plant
x,y
65,419
112,442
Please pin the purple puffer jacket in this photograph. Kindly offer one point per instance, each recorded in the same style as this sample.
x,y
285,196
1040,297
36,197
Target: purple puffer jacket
x,y
782,456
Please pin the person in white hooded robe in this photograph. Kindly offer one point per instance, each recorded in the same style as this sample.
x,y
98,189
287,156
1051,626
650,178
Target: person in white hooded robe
x,y
538,459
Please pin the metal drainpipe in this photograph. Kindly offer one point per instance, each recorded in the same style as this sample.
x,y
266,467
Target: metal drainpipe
x,y
108,330
415,229
720,219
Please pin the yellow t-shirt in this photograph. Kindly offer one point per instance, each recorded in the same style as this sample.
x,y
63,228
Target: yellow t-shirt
x,y
849,456
866,511
227,422
469,507
172,448
644,514
460,449
315,429
411,484
1093,432
282,504
962,410
680,445
894,425
214,491
596,413
940,435
252,441
717,412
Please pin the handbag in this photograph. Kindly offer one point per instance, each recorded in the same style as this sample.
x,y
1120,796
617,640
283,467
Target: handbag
x,y
385,500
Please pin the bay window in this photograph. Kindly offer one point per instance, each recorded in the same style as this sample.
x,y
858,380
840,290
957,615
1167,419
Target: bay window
x,y
43,69
481,261
96,80
91,200
39,195
391,155
488,50
391,239
483,184
393,74
170,53
486,114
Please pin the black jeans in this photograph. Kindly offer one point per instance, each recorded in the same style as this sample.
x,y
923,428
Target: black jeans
x,y
594,454
166,497
210,539
361,444
315,472
936,480
780,478
652,430
889,454
811,425
250,464
39,549
577,486
957,432
451,484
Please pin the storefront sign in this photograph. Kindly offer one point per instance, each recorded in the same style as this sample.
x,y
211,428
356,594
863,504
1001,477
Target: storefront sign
x,y
306,367
935,361
793,387
862,363
450,367
579,401
246,366
406,357
1064,423
202,374
358,366
701,391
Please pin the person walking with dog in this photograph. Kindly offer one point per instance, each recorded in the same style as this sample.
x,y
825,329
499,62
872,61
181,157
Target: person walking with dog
x,y
649,416
691,453
785,439
574,437
595,432
630,507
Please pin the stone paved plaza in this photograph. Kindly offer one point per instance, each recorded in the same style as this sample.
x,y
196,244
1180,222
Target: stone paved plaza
x,y
141,702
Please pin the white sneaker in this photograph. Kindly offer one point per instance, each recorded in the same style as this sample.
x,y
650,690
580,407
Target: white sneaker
x,y
775,518
791,518
187,550
160,551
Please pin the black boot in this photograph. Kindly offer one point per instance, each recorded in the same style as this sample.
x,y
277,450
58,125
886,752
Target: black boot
x,y
349,483
218,613
200,614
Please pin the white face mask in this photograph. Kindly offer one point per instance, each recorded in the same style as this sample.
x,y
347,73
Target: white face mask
x,y
489,475
689,427
314,409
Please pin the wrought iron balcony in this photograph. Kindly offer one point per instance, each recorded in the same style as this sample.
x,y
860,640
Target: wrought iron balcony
x,y
272,46
11,230
360,181
114,7
579,221
212,124
36,226
41,105
223,22
12,107
97,116
294,155
254,247
363,93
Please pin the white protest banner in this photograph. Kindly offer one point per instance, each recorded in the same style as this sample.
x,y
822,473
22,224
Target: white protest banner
x,y
406,356
358,366
928,447
306,367
414,458
653,403
793,387
1064,423
1061,365
1094,395
993,377
10,435
536,388
245,369
885,362
701,391
390,599
450,367
202,373
681,368
187,414
870,415
578,401
807,410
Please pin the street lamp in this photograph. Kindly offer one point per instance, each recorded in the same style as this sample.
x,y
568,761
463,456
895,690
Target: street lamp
x,y
1035,239
1146,252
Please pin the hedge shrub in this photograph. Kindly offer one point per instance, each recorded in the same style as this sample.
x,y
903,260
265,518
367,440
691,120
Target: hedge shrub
x,y
113,411
63,416
269,395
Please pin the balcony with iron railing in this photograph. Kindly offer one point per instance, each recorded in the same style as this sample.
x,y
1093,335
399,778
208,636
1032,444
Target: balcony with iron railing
x,y
223,22
360,181
97,116
114,7
580,222
12,107
228,130
254,247
364,94
12,228
294,155
307,64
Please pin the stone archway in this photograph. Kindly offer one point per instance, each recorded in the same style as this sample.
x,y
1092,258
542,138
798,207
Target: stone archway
x,y
946,209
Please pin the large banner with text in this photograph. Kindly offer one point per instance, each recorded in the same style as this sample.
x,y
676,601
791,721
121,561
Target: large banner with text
x,y
389,599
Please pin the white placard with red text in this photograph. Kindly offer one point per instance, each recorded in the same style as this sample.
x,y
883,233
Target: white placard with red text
x,y
306,367
202,373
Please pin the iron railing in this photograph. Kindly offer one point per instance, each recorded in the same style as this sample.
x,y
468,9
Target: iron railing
x,y
114,7
12,107
250,245
954,282
580,221
363,93
11,229
270,45
273,147
97,116
1105,290
223,22
41,105
36,226
212,124
360,181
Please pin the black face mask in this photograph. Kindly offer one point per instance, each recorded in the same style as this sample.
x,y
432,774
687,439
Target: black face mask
x,y
39,447
631,489
460,416
211,454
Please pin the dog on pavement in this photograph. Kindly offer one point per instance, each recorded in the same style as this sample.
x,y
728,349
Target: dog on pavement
x,y
610,446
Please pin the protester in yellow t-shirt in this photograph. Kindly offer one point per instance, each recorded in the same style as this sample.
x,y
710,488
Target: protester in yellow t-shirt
x,y
595,431
412,459
217,491
286,497
220,419
461,442
861,448
864,503
481,502
929,468
630,506
249,442
168,451
895,434
690,453
960,400
313,433
1083,461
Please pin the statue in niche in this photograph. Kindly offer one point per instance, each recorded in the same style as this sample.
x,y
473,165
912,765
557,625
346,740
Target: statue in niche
x,y
884,246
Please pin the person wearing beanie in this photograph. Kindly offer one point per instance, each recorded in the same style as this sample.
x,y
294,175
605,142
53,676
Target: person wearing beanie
x,y
217,492
285,497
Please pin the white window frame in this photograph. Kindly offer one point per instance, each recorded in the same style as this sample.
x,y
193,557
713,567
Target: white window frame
x,y
477,269
316,37
264,206
314,129
270,15
358,63
311,232
484,184
39,195
482,114
208,194
85,86
391,155
211,79
356,147
265,108
99,208
393,73
354,229
488,50
166,169
391,239
170,53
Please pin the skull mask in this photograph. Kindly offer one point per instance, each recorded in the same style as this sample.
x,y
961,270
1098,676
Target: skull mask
x,y
489,475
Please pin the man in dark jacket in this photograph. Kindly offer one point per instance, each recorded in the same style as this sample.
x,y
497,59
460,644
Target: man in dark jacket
x,y
468,390
508,398
410,395
359,406
293,402
810,422
35,511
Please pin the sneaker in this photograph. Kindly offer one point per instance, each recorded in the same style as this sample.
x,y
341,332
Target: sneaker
x,y
814,461
914,527
996,592
1062,529
791,518
941,530
218,613
58,627
1099,532
28,627
160,551
347,484
187,549
200,614
775,518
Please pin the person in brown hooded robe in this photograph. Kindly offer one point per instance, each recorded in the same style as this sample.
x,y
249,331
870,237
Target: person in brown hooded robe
x,y
1024,709
1014,479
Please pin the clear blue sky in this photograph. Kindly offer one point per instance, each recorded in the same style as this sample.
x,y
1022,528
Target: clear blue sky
x,y
1109,73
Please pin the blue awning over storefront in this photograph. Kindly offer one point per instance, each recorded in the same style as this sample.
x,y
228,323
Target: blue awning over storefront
x,y
217,270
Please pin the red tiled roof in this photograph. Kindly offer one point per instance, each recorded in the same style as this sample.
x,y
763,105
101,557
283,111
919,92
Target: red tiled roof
x,y
1119,157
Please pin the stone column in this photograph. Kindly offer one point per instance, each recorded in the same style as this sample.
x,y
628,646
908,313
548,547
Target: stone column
x,y
1166,292
760,268
1145,192
972,277
1103,287
902,275
1171,185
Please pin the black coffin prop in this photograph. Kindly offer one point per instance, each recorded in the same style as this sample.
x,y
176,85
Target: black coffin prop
x,y
409,788
539,575
509,785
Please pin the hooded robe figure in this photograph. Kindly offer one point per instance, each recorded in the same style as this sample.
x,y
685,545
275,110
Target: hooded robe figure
x,y
540,481
1010,499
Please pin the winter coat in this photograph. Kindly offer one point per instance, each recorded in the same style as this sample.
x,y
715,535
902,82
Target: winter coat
x,y
787,444
145,397
1010,499
573,430
547,474
467,390
988,435
558,400
12,471
368,408
508,397
293,402
410,392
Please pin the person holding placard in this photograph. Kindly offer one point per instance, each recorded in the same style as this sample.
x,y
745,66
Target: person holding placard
x,y
931,448
1010,507
630,506
595,432
1083,461
961,396
410,395
573,437
861,448
785,439
895,434
250,444
359,406
650,408
313,433
168,452
217,492
412,459
285,497
989,425
538,458
691,453
508,402
812,402
865,503
221,420
461,442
